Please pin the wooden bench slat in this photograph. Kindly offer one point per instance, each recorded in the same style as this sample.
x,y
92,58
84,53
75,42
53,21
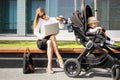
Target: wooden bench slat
x,y
70,50
21,50
61,50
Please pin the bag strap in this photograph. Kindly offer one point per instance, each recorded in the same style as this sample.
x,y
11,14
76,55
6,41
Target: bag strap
x,y
27,51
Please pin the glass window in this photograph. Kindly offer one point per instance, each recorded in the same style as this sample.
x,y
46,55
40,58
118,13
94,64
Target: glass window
x,y
8,13
32,5
114,15
13,15
108,14
67,9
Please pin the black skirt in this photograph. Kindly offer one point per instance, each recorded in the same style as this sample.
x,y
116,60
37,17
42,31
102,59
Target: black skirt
x,y
42,43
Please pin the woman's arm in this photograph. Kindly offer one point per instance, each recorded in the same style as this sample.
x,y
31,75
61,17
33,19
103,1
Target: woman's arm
x,y
60,21
37,32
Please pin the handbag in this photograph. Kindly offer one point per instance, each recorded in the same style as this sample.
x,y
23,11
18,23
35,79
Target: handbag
x,y
27,62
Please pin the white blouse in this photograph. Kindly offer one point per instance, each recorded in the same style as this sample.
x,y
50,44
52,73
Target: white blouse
x,y
42,22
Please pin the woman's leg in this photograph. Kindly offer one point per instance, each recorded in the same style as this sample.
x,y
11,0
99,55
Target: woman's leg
x,y
55,48
50,55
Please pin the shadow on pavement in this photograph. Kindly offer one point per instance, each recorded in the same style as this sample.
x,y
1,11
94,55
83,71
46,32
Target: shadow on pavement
x,y
95,73
40,70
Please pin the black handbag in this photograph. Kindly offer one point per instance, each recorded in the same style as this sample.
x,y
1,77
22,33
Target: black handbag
x,y
27,62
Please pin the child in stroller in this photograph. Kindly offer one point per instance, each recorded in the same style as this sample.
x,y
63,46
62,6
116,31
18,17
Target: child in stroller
x,y
73,66
92,29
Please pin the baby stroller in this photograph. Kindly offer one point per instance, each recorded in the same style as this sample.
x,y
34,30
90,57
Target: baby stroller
x,y
87,60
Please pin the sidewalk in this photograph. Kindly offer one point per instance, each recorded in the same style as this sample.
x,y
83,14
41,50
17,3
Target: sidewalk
x,y
41,74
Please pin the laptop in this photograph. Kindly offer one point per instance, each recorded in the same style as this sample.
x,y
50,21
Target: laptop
x,y
51,29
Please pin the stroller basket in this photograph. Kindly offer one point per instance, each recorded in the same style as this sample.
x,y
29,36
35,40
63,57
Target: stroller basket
x,y
93,60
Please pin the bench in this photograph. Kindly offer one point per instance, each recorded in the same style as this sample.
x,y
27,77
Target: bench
x,y
36,50
14,56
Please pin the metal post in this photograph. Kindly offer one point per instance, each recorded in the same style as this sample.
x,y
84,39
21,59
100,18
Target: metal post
x,y
95,8
75,5
82,5
75,8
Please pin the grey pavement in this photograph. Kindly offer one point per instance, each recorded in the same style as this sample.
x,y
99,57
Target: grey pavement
x,y
41,74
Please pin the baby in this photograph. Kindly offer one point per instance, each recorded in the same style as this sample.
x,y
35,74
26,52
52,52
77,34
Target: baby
x,y
93,28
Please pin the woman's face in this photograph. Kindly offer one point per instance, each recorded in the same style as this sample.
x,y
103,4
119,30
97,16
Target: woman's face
x,y
43,15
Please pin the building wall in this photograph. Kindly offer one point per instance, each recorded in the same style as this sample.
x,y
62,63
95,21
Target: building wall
x,y
17,16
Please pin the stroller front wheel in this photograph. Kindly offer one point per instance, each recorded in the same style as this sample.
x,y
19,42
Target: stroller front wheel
x,y
116,72
72,67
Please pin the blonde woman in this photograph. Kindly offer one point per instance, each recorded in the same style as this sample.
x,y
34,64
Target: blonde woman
x,y
47,42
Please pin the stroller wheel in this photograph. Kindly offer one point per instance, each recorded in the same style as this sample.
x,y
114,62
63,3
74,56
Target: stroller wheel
x,y
72,67
116,72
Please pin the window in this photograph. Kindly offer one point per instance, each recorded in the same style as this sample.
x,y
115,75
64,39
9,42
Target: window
x,y
67,9
114,15
13,16
32,5
108,14
8,16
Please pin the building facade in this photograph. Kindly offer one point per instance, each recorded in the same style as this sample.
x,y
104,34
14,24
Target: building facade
x,y
16,16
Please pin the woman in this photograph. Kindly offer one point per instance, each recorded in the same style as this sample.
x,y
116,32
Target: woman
x,y
49,42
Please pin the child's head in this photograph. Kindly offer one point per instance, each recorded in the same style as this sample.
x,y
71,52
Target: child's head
x,y
92,21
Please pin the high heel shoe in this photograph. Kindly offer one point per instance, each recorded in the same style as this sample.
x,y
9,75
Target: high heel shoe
x,y
60,63
50,71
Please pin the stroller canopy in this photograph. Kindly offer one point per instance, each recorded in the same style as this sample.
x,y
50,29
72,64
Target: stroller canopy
x,y
79,19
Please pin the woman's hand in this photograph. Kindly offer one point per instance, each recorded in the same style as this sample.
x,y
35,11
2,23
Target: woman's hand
x,y
60,19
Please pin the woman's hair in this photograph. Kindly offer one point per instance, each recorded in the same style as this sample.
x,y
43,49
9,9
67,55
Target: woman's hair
x,y
39,10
